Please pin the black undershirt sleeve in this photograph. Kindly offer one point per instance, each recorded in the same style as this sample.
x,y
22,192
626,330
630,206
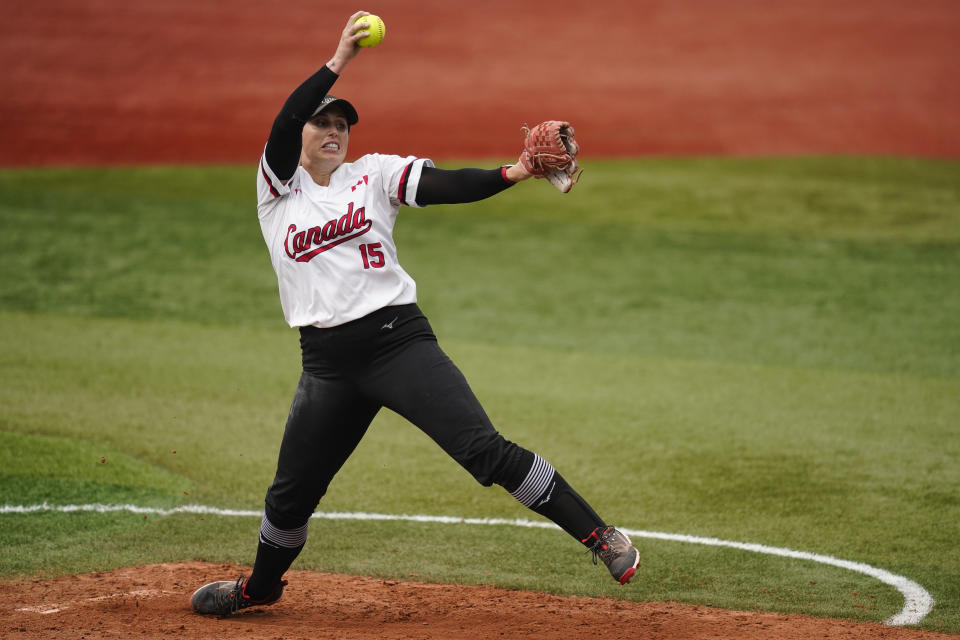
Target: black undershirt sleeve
x,y
437,186
283,145
452,186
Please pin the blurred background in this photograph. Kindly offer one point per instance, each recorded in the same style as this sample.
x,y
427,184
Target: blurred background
x,y
107,82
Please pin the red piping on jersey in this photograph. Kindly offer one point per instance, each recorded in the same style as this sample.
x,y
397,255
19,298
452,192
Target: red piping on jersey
x,y
402,191
273,190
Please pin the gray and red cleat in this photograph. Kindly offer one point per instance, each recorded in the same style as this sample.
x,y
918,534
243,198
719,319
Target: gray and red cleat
x,y
225,597
617,552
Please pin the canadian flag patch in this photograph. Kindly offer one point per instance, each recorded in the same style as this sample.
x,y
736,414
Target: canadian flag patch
x,y
362,181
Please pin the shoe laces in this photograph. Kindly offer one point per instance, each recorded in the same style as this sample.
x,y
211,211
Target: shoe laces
x,y
600,549
230,600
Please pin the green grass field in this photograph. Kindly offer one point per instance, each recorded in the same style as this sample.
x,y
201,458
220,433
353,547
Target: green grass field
x,y
762,350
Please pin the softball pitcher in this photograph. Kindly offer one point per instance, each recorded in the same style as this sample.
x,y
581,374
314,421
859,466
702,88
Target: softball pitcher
x,y
328,225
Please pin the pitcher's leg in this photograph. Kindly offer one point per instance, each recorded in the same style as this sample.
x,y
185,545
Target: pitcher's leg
x,y
326,422
423,385
416,379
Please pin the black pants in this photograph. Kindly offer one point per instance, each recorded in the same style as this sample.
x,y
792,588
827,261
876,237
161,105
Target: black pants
x,y
391,359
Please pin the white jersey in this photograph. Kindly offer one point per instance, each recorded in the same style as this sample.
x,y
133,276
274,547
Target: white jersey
x,y
332,247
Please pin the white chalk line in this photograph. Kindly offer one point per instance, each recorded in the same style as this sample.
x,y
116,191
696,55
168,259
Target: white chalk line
x,y
45,609
917,602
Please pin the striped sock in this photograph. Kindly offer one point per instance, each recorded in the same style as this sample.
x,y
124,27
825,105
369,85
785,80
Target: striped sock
x,y
276,551
536,484
285,538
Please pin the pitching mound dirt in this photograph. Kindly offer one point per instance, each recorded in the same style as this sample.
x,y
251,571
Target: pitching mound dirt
x,y
153,602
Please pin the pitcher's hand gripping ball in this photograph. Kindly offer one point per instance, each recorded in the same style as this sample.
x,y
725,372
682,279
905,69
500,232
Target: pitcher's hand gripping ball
x,y
550,151
377,30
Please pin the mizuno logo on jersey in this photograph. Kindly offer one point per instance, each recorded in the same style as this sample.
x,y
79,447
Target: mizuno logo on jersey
x,y
305,245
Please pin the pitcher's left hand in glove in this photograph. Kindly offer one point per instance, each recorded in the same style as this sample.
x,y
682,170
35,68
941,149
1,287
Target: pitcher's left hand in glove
x,y
550,151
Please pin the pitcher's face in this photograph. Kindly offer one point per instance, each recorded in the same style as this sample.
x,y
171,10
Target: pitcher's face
x,y
325,140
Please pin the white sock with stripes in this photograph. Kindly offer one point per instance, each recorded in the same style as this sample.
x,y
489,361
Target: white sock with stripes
x,y
539,481
282,538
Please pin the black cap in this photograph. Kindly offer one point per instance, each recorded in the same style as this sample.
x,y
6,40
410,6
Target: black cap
x,y
348,109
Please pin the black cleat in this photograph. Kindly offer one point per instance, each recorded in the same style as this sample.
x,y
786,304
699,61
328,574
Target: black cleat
x,y
225,597
617,552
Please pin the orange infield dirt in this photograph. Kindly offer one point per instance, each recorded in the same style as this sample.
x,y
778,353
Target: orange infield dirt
x,y
113,82
153,602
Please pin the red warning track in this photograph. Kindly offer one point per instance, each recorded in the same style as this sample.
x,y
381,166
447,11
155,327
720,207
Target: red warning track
x,y
114,82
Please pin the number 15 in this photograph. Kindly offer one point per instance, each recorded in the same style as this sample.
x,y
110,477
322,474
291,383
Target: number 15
x,y
372,255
